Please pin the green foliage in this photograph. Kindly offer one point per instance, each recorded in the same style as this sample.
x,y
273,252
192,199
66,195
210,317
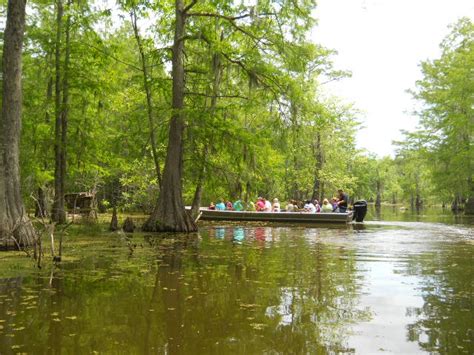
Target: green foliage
x,y
433,164
256,122
445,138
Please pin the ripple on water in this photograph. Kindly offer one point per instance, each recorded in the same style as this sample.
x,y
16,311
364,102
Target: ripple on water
x,y
403,287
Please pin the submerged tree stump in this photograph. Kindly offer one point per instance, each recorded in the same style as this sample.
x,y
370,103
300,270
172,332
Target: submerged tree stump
x,y
128,225
469,207
114,221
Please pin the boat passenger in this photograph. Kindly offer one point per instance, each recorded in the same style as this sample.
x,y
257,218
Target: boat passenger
x,y
326,207
268,205
212,206
290,207
238,206
251,206
276,205
220,206
228,206
298,205
334,204
317,206
260,205
309,207
343,200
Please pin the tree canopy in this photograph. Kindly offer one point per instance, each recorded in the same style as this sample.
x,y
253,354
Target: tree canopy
x,y
107,86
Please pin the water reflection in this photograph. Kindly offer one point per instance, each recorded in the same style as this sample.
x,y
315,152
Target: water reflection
x,y
395,286
445,322
239,235
192,297
428,214
220,233
378,212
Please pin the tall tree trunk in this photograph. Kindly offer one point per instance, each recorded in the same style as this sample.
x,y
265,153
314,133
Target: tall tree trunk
x,y
469,207
146,85
295,189
456,205
13,218
58,214
248,189
378,198
197,195
65,104
319,165
115,199
169,213
418,200
41,208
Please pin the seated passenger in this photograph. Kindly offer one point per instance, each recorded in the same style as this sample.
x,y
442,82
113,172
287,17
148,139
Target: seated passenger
x,y
228,206
251,206
260,205
276,205
290,207
298,205
326,207
220,206
238,206
212,206
268,205
317,206
334,204
309,207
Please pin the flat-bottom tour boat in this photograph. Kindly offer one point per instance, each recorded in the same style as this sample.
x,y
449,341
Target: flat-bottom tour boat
x,y
292,217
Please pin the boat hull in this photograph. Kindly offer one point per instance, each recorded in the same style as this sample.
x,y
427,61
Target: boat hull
x,y
289,217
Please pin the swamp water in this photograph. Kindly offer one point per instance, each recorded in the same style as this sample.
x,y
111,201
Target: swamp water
x,y
400,283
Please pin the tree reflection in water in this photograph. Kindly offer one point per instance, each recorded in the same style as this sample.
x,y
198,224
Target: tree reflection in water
x,y
254,291
292,297
445,322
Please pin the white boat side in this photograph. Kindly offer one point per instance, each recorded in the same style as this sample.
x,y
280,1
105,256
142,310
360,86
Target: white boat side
x,y
320,217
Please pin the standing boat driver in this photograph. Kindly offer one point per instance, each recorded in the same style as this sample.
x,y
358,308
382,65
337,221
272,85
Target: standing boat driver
x,y
343,201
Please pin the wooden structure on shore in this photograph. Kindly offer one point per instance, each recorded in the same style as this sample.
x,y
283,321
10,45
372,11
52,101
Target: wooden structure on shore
x,y
83,203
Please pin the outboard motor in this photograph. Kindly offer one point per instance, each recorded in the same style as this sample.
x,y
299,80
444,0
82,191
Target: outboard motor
x,y
360,210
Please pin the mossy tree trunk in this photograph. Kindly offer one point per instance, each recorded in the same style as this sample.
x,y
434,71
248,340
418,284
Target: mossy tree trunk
x,y
169,214
14,221
58,214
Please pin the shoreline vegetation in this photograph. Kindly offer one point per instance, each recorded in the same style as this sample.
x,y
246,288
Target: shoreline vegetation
x,y
221,99
115,115
99,229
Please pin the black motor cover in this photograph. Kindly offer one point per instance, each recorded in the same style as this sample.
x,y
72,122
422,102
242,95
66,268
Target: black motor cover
x,y
360,210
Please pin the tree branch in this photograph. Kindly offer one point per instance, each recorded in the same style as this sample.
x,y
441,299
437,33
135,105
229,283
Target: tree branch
x,y
187,8
111,56
219,96
210,14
